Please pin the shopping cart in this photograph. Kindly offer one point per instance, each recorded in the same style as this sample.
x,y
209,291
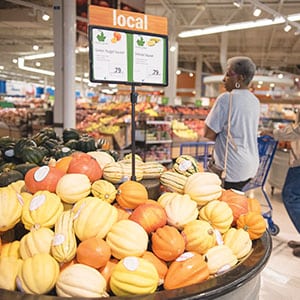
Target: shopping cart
x,y
202,151
266,149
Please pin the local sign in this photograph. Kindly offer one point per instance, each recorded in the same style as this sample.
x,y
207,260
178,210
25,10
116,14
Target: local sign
x,y
127,47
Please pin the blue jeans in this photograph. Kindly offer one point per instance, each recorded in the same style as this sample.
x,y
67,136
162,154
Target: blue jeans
x,y
291,195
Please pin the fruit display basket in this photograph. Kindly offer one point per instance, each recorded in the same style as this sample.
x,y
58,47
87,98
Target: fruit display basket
x,y
240,282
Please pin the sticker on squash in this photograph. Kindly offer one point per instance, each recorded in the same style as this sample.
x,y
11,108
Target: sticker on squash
x,y
131,263
219,238
184,165
41,173
58,239
36,202
185,256
9,153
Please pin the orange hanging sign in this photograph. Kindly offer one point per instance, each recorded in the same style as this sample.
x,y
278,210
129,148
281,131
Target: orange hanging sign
x,y
125,20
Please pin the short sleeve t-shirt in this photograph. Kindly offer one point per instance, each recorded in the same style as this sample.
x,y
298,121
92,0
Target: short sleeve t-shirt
x,y
243,158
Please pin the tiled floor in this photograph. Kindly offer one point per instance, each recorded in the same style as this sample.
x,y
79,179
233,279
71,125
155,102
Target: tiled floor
x,y
280,279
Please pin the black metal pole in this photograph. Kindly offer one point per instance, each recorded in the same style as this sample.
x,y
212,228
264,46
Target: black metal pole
x,y
133,98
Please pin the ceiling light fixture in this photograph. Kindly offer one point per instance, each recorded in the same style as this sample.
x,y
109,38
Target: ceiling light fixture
x,y
237,3
287,27
45,17
172,49
35,47
257,12
238,26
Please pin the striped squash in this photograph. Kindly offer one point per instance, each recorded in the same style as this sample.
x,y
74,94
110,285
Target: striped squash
x,y
152,170
118,172
64,244
186,165
173,181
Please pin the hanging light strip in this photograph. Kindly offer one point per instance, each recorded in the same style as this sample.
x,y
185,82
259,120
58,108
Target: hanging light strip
x,y
238,26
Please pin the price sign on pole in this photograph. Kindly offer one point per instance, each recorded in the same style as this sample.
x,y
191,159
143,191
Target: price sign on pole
x,y
126,47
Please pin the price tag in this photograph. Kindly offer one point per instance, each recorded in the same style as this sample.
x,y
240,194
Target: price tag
x,y
110,55
147,58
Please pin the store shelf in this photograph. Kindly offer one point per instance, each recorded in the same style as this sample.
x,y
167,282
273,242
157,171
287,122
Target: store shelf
x,y
154,141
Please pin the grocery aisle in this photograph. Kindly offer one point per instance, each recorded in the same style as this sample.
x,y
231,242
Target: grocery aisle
x,y
280,279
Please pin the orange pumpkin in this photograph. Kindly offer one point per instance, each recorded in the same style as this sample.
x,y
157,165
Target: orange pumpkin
x,y
189,268
44,178
107,270
167,243
94,252
237,201
253,223
63,163
149,216
131,193
159,264
83,163
254,205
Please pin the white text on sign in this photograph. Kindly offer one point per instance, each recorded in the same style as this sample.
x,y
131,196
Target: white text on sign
x,y
130,21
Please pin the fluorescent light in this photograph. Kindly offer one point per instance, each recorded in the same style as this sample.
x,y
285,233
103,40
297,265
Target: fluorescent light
x,y
23,67
256,12
39,56
238,26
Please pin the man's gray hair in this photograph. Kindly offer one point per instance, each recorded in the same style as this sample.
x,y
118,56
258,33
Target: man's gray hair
x,y
242,65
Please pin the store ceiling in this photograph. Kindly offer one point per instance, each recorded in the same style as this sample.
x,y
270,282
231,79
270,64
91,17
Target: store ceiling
x,y
270,47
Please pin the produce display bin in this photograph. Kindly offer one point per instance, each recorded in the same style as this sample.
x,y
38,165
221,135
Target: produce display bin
x,y
240,282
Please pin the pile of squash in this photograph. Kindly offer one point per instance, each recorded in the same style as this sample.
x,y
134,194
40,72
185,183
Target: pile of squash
x,y
80,227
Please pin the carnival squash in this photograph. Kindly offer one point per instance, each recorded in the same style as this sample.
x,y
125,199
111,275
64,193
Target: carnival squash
x,y
199,236
36,241
10,208
134,276
239,241
9,269
93,217
104,190
203,187
127,238
218,214
219,259
81,281
38,274
73,187
42,210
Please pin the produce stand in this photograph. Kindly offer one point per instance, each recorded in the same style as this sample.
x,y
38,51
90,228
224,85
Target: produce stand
x,y
240,282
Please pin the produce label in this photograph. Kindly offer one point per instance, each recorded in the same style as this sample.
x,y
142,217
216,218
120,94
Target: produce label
x,y
184,256
131,263
41,173
58,239
36,202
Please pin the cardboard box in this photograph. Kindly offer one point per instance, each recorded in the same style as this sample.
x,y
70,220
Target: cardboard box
x,y
123,137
